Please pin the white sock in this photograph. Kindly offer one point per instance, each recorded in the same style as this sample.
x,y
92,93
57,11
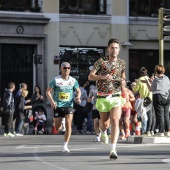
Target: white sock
x,y
99,135
65,144
113,146
63,124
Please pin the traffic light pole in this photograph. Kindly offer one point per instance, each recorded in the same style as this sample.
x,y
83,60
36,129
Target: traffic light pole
x,y
161,38
163,31
161,51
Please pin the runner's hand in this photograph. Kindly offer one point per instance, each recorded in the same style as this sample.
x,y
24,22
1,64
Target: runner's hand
x,y
107,76
53,105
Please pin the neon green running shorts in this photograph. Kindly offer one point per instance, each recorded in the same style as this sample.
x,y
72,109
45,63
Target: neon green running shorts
x,y
106,104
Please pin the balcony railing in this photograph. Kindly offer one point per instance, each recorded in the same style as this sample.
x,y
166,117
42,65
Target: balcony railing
x,y
82,7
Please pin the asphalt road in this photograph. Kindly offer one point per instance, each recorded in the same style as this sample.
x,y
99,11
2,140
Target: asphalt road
x,y
44,152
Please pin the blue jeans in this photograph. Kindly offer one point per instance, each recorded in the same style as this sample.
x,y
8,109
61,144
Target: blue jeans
x,y
144,126
89,122
19,122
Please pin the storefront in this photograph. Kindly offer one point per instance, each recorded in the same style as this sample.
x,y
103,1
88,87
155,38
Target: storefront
x,y
20,40
80,59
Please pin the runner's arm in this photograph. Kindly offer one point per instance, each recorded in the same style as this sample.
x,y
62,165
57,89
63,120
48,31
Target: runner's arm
x,y
49,96
94,77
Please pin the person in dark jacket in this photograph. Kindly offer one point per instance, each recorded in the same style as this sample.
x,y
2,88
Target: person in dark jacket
x,y
8,109
37,100
19,110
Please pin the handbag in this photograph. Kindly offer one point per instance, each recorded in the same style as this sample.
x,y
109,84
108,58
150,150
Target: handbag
x,y
147,101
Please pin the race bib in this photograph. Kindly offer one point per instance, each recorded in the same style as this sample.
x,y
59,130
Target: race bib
x,y
64,96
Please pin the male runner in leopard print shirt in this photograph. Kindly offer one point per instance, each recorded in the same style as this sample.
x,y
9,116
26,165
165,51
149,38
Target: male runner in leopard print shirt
x,y
109,72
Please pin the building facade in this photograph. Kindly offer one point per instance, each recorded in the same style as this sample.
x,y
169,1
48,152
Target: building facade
x,y
37,35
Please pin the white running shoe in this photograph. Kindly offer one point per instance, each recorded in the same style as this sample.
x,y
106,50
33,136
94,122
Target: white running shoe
x,y
148,133
167,134
18,134
97,139
10,135
105,138
113,154
152,133
65,149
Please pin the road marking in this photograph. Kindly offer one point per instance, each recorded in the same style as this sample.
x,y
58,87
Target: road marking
x,y
36,146
21,146
44,162
82,149
124,145
167,161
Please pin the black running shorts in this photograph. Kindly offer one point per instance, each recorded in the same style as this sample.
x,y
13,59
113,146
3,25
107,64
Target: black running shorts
x,y
63,111
95,114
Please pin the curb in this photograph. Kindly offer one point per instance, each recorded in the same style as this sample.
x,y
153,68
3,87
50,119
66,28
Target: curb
x,y
149,140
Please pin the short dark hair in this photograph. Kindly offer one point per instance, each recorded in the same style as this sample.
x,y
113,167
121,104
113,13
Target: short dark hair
x,y
143,71
113,40
11,85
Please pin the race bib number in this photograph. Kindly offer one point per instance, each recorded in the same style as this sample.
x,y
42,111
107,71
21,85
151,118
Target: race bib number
x,y
64,96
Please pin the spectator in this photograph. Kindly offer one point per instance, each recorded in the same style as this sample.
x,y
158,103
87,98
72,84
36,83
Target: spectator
x,y
8,109
126,110
161,100
95,113
40,119
133,116
89,107
23,86
143,90
37,97
37,100
81,108
19,112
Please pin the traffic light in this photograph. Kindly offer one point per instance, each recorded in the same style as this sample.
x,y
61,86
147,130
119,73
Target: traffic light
x,y
37,59
164,23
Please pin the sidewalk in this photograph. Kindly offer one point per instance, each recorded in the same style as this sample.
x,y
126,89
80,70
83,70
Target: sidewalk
x,y
148,139
131,139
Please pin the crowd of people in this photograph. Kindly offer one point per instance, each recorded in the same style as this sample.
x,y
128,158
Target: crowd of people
x,y
111,107
18,111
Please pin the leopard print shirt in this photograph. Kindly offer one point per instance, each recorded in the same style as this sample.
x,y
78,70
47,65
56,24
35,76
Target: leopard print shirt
x,y
115,68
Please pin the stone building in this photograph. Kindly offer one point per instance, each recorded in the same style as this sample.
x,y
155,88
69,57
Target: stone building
x,y
37,35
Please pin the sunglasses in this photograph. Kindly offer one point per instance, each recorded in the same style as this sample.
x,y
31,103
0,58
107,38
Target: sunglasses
x,y
66,68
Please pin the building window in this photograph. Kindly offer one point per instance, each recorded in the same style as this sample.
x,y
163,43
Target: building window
x,y
147,8
20,5
140,58
89,7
